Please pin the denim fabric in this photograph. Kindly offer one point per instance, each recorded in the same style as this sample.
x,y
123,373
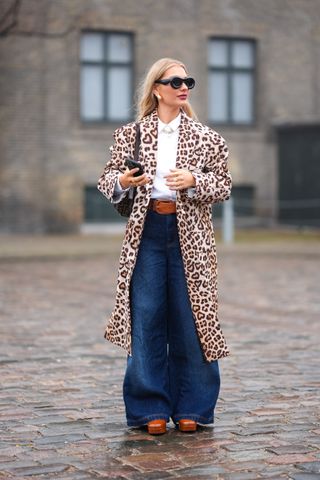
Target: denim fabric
x,y
167,375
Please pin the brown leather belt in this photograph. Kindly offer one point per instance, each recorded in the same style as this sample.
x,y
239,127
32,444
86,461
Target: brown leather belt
x,y
164,207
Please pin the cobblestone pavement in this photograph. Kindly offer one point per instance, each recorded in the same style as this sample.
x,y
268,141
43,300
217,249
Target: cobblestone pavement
x,y
61,410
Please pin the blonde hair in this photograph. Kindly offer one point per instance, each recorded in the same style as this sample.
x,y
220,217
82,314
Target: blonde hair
x,y
147,101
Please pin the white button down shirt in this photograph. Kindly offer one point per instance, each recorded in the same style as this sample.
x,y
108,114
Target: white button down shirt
x,y
166,158
168,135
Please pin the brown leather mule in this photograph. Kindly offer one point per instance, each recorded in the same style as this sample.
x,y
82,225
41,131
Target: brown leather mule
x,y
186,425
157,427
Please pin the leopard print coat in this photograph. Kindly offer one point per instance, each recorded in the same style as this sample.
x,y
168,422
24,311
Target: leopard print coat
x,y
204,152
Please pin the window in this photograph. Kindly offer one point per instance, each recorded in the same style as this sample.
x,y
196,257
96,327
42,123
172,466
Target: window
x,y
231,81
97,209
106,76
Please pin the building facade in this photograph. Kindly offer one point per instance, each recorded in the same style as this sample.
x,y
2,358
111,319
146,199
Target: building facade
x,y
69,70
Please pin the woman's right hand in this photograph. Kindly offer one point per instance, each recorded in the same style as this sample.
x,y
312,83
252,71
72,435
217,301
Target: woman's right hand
x,y
127,179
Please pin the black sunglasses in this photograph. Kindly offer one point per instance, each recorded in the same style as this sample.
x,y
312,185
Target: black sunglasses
x,y
176,82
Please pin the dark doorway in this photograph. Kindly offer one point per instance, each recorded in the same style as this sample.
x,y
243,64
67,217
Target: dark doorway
x,y
299,175
97,209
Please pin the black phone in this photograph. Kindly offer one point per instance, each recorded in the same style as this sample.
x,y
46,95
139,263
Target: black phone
x,y
130,163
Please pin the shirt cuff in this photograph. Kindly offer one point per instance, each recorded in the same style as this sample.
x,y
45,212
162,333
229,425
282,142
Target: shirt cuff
x,y
118,189
191,192
119,192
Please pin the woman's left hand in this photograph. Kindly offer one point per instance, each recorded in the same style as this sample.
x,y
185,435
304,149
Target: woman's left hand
x,y
179,179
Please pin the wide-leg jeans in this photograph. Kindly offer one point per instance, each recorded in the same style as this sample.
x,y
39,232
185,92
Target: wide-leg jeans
x,y
167,375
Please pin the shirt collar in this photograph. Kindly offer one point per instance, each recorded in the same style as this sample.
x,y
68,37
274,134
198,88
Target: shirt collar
x,y
174,124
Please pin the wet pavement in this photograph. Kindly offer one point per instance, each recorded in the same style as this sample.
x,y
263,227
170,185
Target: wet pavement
x,y
61,410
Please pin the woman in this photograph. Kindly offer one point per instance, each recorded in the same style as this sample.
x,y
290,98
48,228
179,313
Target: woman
x,y
165,313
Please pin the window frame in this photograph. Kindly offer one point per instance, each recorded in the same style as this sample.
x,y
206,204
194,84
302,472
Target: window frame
x,y
229,70
106,65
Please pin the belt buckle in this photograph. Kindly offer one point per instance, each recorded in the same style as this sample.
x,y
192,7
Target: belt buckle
x,y
156,206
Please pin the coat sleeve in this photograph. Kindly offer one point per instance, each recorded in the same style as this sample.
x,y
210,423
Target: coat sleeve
x,y
213,183
119,151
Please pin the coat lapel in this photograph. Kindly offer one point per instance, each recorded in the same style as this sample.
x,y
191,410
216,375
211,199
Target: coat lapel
x,y
188,139
149,143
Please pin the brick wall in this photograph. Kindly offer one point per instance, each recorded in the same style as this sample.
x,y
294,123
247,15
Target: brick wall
x,y
47,155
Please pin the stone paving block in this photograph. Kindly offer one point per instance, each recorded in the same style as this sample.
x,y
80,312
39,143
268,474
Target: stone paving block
x,y
289,449
261,421
293,437
198,458
118,473
314,440
248,455
51,439
268,439
198,471
189,476
313,467
155,475
177,450
74,475
243,466
268,411
19,438
15,463
291,459
40,451
12,450
275,473
4,459
304,476
254,431
71,460
94,435
47,419
240,447
298,426
38,470
238,476
209,445
280,476
152,461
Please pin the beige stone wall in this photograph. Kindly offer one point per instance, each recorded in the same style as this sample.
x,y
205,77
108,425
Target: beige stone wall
x,y
47,155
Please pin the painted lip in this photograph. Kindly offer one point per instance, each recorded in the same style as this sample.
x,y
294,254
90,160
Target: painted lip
x,y
183,97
